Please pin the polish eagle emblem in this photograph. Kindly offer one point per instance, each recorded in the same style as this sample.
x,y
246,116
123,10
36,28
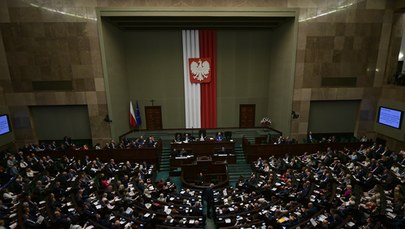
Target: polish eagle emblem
x,y
200,70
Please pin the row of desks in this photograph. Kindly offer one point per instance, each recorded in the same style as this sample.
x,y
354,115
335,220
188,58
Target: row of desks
x,y
149,155
217,151
254,151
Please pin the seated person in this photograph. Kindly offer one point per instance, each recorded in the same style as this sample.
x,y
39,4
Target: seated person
x,y
183,152
178,138
202,134
187,138
219,137
151,142
175,153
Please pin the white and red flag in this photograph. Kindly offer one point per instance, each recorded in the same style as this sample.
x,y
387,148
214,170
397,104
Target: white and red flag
x,y
132,120
200,84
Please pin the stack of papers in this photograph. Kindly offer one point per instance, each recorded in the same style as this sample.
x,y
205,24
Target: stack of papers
x,y
391,215
129,211
350,224
313,222
282,220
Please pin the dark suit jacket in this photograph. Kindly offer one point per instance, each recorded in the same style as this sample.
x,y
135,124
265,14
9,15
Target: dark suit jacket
x,y
208,195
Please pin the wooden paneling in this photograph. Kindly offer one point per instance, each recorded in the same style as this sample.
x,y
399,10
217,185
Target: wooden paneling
x,y
247,115
204,148
153,117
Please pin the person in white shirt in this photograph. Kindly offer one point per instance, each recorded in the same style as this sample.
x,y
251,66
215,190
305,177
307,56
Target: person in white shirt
x,y
7,195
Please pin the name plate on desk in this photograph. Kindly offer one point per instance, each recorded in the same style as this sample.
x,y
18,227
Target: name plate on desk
x,y
204,158
221,155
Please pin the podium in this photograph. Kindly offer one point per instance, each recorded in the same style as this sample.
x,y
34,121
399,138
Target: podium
x,y
213,172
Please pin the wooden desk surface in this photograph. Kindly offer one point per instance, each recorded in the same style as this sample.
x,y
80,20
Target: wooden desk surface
x,y
204,148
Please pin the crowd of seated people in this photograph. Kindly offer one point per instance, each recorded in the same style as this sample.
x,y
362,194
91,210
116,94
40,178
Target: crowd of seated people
x,y
283,140
183,138
68,144
202,136
66,192
330,139
139,142
323,190
182,153
331,189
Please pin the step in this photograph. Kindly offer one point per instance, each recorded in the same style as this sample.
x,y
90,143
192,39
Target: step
x,y
241,159
238,166
238,174
240,171
244,168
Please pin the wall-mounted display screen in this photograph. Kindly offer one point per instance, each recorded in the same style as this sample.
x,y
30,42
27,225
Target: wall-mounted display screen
x,y
390,117
5,126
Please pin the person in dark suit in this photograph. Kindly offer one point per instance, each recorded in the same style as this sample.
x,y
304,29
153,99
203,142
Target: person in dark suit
x,y
378,170
199,179
311,210
196,210
310,139
178,138
187,138
208,196
369,181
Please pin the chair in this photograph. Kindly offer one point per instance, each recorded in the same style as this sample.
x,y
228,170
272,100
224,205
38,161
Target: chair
x,y
202,132
228,135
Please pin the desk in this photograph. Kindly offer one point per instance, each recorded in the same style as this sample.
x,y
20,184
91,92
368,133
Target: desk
x,y
176,162
254,151
204,148
213,172
150,155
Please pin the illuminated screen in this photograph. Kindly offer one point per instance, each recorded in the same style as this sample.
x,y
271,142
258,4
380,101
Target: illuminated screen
x,y
4,124
390,117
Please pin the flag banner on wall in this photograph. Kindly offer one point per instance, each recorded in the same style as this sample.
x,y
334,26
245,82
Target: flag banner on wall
x,y
132,119
200,70
200,91
138,118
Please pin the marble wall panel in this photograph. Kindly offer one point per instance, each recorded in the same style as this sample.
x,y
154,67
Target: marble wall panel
x,y
101,97
99,84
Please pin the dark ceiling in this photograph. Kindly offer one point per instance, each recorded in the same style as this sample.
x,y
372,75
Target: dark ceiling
x,y
170,22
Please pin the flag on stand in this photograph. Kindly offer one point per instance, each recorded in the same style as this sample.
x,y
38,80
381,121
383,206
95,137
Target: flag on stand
x,y
138,118
132,119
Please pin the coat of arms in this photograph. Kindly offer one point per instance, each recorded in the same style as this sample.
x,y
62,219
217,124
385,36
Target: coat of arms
x,y
200,70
